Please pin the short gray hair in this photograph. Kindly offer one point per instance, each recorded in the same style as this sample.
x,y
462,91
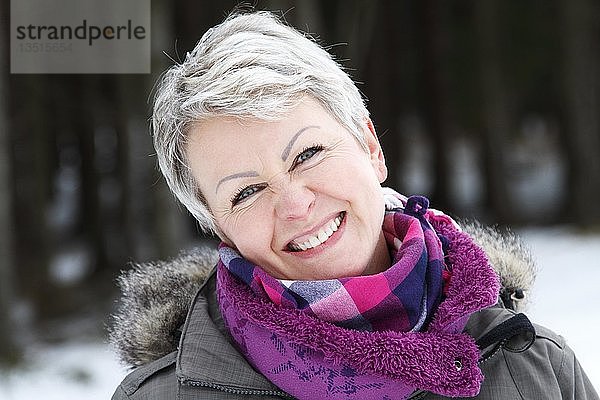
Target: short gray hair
x,y
249,66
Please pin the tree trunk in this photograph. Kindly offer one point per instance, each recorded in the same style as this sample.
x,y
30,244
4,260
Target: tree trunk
x,y
496,113
9,353
582,90
435,84
32,170
85,125
382,85
171,224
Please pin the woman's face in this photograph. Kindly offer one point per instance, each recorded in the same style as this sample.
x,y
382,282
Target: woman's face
x,y
300,197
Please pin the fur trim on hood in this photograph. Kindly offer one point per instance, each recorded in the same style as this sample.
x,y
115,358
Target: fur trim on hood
x,y
511,259
156,296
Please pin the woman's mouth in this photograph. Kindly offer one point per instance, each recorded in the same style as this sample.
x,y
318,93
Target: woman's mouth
x,y
318,238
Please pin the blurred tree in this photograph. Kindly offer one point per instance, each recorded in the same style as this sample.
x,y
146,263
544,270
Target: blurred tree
x,y
170,224
88,92
9,352
581,30
495,111
433,35
380,60
33,171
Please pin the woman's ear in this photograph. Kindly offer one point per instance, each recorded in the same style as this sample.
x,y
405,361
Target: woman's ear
x,y
375,152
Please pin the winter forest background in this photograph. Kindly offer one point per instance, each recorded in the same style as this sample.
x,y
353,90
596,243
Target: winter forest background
x,y
490,108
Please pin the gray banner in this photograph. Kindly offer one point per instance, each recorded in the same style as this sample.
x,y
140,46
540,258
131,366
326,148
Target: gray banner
x,y
80,36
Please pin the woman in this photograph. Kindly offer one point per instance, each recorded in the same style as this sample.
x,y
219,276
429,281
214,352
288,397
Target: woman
x,y
326,284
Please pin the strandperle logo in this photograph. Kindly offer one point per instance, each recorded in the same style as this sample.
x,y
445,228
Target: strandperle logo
x,y
85,31
80,36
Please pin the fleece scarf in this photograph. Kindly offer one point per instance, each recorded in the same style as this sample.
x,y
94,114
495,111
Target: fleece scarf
x,y
311,357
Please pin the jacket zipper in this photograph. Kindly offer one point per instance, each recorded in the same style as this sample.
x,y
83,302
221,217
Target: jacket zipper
x,y
419,394
228,389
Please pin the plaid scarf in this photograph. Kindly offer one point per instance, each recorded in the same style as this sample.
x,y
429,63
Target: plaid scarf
x,y
311,358
401,298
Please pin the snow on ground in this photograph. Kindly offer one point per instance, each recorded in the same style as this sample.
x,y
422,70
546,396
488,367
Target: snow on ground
x,y
566,295
565,298
71,371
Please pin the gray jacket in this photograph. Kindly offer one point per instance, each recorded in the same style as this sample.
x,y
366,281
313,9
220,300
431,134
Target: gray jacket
x,y
183,352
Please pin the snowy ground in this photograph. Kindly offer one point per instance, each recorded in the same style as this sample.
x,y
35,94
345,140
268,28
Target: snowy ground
x,y
566,295
565,298
67,372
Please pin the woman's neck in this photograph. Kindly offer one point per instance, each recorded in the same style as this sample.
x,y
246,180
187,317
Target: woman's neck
x,y
381,258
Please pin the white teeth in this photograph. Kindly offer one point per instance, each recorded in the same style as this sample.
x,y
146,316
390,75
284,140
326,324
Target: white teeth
x,y
322,236
333,226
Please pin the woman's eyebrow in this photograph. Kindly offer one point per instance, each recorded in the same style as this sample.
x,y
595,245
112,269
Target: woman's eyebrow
x,y
245,174
284,155
286,152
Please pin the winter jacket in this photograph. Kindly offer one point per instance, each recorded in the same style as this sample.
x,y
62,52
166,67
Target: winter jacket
x,y
181,350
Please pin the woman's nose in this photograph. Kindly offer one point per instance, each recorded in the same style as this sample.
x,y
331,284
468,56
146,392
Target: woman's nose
x,y
295,201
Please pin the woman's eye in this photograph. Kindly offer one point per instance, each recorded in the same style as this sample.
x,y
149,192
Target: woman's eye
x,y
243,194
306,154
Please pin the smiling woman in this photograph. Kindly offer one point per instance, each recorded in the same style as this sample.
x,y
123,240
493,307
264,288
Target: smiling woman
x,y
326,285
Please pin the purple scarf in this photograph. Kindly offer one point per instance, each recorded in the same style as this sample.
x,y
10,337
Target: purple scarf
x,y
287,333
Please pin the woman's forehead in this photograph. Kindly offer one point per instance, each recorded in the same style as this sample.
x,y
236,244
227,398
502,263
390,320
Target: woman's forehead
x,y
229,133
